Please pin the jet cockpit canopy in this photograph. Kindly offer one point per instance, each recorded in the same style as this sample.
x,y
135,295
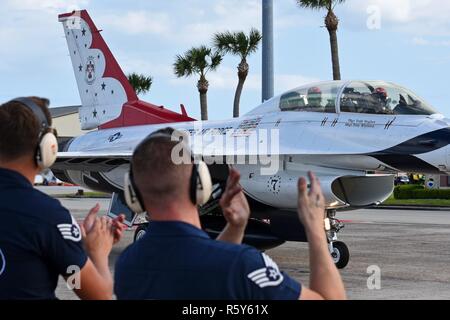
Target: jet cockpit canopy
x,y
378,97
320,97
364,97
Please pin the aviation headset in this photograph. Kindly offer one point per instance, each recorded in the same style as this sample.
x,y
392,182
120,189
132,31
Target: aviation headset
x,y
47,148
200,181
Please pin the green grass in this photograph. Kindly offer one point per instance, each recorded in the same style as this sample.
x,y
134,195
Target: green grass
x,y
417,202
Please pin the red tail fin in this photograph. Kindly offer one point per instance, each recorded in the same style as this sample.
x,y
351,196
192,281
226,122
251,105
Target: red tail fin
x,y
140,113
108,100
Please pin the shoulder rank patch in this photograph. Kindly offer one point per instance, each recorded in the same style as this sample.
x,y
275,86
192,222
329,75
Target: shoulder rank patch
x,y
269,276
2,262
70,231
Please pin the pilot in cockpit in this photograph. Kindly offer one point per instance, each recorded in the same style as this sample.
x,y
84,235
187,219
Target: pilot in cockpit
x,y
314,98
382,100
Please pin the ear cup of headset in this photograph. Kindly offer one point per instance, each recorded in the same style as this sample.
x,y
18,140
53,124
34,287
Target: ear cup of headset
x,y
47,151
131,194
203,185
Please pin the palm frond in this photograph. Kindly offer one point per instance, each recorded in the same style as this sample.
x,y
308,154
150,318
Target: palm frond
x,y
183,66
242,44
237,43
319,4
224,42
216,59
255,38
197,60
140,82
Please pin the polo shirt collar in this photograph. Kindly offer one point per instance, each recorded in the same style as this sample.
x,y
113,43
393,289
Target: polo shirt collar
x,y
13,178
175,228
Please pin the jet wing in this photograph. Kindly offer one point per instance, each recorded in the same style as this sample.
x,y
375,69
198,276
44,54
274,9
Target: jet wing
x,y
91,161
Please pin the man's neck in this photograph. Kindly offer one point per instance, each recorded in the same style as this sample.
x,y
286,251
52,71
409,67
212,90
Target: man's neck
x,y
174,212
25,167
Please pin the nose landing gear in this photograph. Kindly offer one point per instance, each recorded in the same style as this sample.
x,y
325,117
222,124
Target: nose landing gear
x,y
338,249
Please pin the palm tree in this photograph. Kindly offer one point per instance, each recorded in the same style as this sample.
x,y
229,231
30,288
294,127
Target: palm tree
x,y
239,44
198,61
331,23
140,83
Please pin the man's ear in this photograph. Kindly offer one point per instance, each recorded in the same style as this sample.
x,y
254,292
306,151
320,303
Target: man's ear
x,y
30,161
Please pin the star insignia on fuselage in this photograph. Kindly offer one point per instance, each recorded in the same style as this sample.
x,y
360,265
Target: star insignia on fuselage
x,y
83,32
94,113
103,86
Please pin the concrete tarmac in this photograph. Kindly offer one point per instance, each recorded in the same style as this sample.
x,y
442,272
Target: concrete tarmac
x,y
410,248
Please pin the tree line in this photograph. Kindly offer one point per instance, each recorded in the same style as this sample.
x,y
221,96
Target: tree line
x,y
199,61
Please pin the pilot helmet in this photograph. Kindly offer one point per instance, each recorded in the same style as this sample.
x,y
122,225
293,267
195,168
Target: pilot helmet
x,y
314,91
314,95
381,93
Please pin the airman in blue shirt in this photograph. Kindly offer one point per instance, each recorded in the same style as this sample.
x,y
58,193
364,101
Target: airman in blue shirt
x,y
39,239
175,259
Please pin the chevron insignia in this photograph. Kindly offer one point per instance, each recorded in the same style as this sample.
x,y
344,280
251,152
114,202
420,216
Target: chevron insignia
x,y
70,231
269,276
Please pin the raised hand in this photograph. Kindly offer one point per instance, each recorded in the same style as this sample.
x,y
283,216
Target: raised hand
x,y
311,205
118,227
100,238
89,221
234,203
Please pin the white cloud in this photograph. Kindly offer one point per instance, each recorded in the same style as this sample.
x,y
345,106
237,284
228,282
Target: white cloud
x,y
180,26
138,22
226,79
284,82
28,31
419,17
152,68
47,5
419,41
398,10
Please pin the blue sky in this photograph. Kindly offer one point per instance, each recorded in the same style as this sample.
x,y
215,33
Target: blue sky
x,y
411,47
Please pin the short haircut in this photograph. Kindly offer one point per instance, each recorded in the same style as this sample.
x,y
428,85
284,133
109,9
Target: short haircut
x,y
155,174
20,129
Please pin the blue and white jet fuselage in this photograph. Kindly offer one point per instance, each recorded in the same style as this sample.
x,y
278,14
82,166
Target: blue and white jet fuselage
x,y
345,149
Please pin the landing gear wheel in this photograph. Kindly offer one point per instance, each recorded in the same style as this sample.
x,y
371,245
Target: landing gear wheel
x,y
340,254
338,250
140,232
